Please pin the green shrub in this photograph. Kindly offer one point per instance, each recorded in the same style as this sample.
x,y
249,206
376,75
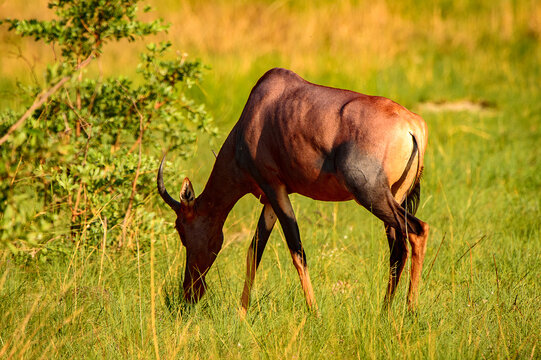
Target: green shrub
x,y
83,162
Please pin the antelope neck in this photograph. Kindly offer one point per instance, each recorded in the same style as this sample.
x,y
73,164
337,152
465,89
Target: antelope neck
x,y
221,193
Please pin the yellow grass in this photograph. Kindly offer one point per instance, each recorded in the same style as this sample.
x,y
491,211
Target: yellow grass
x,y
366,34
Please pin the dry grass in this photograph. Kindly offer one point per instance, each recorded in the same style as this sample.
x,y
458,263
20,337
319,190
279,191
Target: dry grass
x,y
369,34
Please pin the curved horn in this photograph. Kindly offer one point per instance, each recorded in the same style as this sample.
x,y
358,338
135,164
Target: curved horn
x,y
175,205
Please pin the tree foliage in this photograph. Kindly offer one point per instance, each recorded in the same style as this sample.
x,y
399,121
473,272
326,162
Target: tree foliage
x,y
85,160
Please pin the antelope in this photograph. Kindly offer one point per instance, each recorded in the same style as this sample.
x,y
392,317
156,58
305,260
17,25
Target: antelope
x,y
328,144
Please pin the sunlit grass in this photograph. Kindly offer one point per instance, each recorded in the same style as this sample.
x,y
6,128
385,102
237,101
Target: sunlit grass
x,y
466,310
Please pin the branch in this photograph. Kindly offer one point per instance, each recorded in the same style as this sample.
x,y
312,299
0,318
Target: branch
x,y
41,98
471,247
435,257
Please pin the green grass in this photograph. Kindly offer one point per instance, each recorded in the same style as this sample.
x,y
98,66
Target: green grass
x,y
481,196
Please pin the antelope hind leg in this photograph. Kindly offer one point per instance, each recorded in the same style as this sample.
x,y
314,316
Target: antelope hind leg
x,y
418,250
397,261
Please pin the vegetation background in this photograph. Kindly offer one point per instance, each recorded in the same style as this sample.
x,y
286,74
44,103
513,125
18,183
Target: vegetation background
x,y
472,69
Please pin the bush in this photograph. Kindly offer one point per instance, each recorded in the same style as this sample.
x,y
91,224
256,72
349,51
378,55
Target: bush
x,y
84,159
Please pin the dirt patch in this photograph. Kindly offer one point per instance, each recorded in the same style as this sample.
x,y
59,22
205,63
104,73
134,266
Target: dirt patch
x,y
458,106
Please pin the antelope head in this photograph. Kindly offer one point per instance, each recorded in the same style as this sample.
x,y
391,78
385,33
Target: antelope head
x,y
199,232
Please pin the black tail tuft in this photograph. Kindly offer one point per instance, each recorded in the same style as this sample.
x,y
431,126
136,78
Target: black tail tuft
x,y
411,204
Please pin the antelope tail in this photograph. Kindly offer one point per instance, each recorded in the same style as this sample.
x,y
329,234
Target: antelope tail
x,y
414,194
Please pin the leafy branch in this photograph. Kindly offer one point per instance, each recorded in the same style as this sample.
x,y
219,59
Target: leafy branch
x,y
41,98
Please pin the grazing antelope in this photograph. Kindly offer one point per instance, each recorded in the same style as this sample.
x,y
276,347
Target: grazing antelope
x,y
325,143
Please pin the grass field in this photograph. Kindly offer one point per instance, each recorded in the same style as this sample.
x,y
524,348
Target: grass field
x,y
472,69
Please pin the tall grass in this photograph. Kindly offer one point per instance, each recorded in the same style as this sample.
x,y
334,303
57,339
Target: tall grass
x,y
481,298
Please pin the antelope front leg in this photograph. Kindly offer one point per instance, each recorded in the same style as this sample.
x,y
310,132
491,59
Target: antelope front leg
x,y
267,219
279,200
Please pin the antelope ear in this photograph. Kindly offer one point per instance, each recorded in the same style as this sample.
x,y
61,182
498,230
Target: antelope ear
x,y
187,195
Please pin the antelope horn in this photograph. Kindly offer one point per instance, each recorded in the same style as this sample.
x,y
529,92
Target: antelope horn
x,y
175,205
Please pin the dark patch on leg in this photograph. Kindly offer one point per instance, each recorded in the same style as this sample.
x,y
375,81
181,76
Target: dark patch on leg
x,y
261,236
293,238
367,181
